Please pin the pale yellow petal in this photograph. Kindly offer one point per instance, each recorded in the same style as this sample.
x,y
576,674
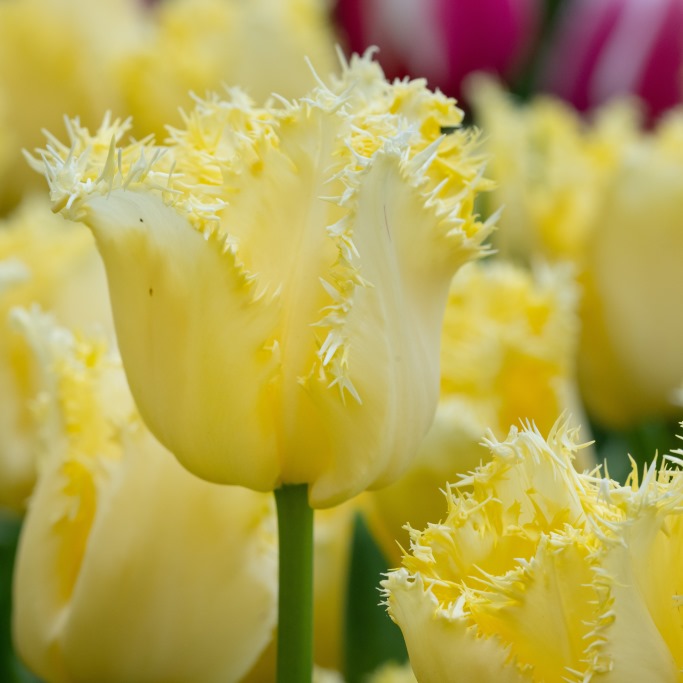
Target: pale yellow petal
x,y
123,557
190,373
443,645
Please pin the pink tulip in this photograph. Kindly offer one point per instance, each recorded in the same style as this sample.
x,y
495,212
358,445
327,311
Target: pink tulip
x,y
605,48
442,40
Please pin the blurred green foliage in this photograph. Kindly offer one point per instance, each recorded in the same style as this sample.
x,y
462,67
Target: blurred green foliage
x,y
11,670
371,638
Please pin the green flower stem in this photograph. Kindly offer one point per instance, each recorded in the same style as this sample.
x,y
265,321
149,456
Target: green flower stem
x,y
295,601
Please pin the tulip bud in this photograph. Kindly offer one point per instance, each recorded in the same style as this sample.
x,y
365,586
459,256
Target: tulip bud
x,y
602,49
539,573
278,275
630,359
128,567
442,40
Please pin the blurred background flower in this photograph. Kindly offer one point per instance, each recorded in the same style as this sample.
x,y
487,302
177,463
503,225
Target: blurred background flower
x,y
605,49
45,261
122,564
196,46
441,40
604,195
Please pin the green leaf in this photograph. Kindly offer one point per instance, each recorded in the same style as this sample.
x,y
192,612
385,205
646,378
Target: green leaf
x,y
371,638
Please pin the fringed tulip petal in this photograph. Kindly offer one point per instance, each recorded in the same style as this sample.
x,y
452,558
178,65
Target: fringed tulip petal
x,y
572,576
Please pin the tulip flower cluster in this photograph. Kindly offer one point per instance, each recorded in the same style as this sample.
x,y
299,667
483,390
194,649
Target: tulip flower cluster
x,y
299,306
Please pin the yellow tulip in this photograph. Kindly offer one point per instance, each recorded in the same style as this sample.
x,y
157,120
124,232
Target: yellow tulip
x,y
508,350
607,196
550,168
197,45
540,573
129,568
278,275
47,261
630,358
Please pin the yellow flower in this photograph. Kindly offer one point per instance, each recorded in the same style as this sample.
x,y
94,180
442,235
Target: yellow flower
x,y
546,575
550,168
607,196
197,45
56,58
630,358
278,275
507,354
47,261
129,568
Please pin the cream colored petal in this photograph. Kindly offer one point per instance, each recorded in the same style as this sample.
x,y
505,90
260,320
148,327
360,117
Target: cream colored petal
x,y
192,339
634,647
641,570
205,550
389,339
443,644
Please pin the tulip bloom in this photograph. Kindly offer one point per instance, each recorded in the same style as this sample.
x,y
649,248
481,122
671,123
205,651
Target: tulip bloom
x,y
539,573
129,568
603,49
551,169
44,261
278,275
508,349
630,360
606,196
442,40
